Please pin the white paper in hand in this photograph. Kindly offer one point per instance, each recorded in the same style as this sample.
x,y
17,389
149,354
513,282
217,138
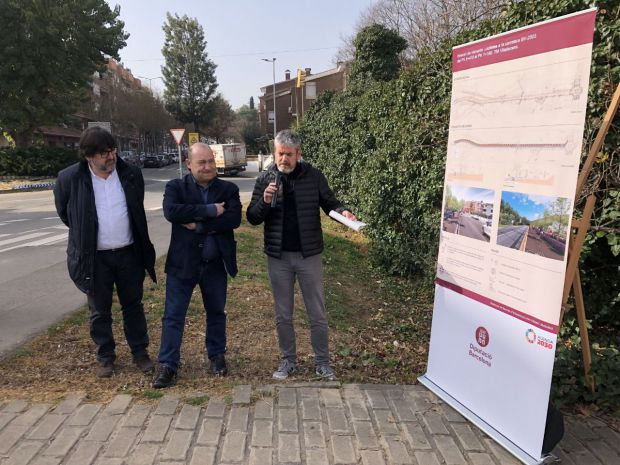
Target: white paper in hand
x,y
354,225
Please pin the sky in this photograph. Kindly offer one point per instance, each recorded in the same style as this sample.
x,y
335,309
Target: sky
x,y
298,33
531,207
472,193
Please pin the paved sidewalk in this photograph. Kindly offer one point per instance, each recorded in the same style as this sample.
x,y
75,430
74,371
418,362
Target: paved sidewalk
x,y
311,424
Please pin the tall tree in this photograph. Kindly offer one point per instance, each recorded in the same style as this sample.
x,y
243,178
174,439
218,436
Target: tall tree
x,y
49,51
376,53
248,127
252,103
424,24
189,75
222,119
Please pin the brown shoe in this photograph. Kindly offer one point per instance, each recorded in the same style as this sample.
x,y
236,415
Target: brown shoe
x,y
105,369
144,363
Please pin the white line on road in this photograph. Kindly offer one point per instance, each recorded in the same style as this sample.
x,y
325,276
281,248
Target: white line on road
x,y
51,218
16,221
23,238
47,241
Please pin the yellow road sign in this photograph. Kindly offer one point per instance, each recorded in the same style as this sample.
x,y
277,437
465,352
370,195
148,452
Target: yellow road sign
x,y
193,138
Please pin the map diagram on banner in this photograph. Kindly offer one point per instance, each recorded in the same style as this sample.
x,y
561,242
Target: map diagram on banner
x,y
515,126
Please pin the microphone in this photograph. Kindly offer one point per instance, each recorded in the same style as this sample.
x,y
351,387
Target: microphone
x,y
274,199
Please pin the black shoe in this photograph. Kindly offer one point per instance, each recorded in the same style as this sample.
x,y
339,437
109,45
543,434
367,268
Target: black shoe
x,y
105,369
218,365
165,377
144,363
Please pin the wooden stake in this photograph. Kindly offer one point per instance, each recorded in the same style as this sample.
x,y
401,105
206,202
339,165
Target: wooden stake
x,y
581,226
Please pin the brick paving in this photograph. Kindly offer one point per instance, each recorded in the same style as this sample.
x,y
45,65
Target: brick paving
x,y
312,424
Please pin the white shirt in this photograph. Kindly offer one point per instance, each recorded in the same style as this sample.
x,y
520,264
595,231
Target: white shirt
x,y
114,230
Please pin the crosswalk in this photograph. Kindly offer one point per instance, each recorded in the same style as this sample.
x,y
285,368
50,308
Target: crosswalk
x,y
49,235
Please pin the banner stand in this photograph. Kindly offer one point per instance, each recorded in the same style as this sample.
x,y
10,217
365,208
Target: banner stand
x,y
517,115
498,437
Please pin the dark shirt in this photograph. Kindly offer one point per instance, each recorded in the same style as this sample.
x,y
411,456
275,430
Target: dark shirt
x,y
290,238
210,250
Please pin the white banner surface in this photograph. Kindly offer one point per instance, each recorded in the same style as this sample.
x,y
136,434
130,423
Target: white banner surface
x,y
516,127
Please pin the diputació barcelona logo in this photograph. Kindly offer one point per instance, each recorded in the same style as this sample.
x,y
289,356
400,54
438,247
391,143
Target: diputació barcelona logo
x,y
482,336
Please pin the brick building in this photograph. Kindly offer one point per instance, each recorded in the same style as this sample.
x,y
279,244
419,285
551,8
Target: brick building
x,y
291,101
99,108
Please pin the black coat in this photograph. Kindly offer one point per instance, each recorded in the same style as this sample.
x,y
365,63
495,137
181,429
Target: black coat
x,y
75,204
311,193
183,203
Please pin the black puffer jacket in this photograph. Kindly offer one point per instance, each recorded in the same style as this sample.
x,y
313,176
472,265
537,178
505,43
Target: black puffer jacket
x,y
311,192
75,204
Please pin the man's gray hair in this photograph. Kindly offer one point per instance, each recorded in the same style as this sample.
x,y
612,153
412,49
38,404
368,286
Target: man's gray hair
x,y
288,137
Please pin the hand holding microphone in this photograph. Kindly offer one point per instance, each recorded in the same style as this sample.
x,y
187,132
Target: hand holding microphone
x,y
274,198
270,195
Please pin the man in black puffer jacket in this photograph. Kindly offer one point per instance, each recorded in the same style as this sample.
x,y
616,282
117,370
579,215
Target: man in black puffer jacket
x,y
101,200
293,243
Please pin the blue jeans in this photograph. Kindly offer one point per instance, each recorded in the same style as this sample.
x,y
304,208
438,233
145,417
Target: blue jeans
x,y
212,281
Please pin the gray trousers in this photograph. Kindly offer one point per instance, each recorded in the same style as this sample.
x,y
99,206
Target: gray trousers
x,y
309,273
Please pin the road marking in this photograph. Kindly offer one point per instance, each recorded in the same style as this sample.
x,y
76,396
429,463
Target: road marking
x,y
16,221
47,241
52,218
22,238
3,235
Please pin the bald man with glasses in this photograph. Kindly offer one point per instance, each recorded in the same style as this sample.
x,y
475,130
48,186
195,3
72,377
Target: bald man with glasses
x,y
101,200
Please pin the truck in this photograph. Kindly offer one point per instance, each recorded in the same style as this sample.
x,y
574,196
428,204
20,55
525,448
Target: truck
x,y
230,159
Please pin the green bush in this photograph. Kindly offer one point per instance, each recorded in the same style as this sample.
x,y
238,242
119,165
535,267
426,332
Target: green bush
x,y
382,146
35,161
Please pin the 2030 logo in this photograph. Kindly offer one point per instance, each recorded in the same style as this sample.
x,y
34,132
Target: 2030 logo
x,y
533,338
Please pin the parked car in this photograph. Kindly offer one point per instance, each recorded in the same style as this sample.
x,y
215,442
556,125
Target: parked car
x,y
152,161
130,157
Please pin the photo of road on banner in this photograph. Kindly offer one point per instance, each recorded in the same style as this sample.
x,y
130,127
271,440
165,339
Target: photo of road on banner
x,y
536,224
468,211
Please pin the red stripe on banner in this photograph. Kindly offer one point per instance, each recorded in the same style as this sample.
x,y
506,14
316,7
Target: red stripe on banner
x,y
546,37
499,306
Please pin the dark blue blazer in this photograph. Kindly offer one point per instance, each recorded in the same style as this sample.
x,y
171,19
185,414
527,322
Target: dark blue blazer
x,y
183,203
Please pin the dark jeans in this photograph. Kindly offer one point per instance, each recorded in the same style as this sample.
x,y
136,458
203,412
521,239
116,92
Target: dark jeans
x,y
123,268
212,282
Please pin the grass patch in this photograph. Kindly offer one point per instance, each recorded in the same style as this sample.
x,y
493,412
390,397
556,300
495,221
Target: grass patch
x,y
379,329
152,394
197,401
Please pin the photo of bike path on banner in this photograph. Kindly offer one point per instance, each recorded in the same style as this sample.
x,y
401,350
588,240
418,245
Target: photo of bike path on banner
x,y
535,224
468,211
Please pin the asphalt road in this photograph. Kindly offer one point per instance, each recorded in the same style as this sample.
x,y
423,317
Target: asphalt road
x,y
35,288
471,227
511,236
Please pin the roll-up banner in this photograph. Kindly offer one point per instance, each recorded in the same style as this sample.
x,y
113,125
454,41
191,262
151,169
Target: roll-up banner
x,y
516,129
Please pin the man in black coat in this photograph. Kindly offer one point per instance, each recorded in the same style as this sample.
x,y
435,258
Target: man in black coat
x,y
101,200
293,243
204,211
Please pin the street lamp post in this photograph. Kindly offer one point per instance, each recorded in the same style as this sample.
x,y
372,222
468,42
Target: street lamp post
x,y
273,62
151,80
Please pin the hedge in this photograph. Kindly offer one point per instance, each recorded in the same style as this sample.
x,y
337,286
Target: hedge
x,y
382,146
35,161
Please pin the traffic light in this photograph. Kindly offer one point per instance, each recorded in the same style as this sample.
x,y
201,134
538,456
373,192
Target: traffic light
x,y
300,75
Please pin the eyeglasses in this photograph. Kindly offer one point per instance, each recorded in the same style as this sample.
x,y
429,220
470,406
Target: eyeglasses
x,y
107,153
